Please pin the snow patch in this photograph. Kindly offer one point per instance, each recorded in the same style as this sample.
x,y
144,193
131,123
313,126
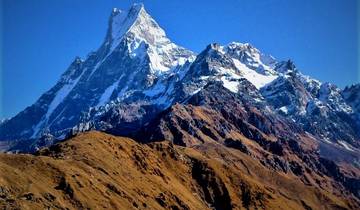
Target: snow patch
x,y
196,91
157,89
57,100
107,93
284,109
257,79
61,95
37,128
346,145
230,85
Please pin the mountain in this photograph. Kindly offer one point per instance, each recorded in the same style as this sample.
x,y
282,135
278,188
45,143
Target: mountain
x,y
225,100
96,170
138,72
135,53
352,97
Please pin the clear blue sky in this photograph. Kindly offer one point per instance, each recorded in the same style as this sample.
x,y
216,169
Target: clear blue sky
x,y
41,37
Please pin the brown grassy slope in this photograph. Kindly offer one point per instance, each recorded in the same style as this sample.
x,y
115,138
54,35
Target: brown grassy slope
x,y
95,170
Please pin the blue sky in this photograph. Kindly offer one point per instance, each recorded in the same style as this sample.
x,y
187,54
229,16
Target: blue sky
x,y
39,38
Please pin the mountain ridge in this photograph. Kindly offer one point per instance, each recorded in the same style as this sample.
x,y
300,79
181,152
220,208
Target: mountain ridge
x,y
96,170
228,103
137,64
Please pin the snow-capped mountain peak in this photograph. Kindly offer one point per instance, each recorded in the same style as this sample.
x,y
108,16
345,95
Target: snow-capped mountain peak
x,y
144,38
138,72
251,57
135,21
134,55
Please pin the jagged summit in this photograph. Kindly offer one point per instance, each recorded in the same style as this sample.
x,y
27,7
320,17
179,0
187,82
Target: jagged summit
x,y
144,37
134,55
141,85
139,72
123,22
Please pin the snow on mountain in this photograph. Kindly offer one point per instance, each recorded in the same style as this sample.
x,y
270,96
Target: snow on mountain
x,y
229,64
319,108
138,72
3,120
141,30
351,95
105,97
251,57
257,79
135,55
331,95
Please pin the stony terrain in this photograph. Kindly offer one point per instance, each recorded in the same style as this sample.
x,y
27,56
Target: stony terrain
x,y
96,170
228,128
137,73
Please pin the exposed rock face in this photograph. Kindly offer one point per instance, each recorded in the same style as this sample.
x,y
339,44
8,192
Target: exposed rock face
x,y
229,99
134,55
96,170
237,121
138,72
351,95
318,108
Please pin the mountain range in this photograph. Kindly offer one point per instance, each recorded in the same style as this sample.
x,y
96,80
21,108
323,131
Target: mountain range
x,y
141,85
